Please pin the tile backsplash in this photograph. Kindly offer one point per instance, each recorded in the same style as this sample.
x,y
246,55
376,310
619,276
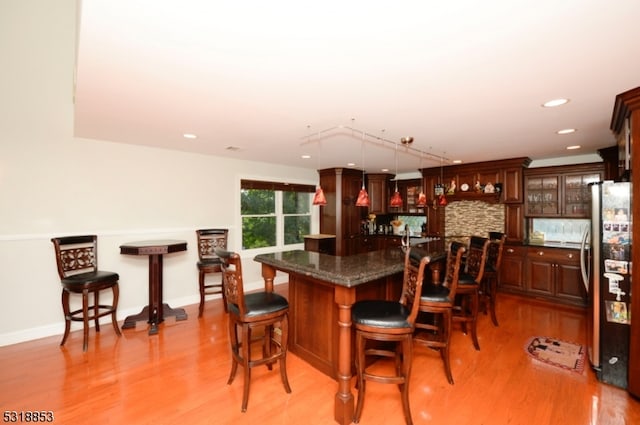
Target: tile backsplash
x,y
473,218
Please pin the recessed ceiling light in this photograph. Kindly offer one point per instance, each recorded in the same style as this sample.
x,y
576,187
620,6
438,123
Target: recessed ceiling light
x,y
384,170
457,161
351,164
555,102
189,136
306,156
573,147
566,131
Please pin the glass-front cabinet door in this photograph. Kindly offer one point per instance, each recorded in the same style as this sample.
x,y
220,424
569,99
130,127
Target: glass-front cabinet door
x,y
577,195
543,195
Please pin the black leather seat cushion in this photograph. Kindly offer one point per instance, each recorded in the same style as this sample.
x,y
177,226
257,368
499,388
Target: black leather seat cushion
x,y
85,279
380,313
435,293
261,303
466,279
210,262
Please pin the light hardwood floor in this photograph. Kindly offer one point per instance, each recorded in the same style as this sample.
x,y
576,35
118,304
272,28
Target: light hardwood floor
x,y
179,377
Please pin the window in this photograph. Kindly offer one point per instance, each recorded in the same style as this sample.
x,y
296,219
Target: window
x,y
274,214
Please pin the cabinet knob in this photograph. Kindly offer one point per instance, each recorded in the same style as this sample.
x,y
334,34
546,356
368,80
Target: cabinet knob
x,y
510,250
570,255
541,253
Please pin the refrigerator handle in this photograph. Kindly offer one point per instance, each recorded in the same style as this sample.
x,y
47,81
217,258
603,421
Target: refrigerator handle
x,y
585,264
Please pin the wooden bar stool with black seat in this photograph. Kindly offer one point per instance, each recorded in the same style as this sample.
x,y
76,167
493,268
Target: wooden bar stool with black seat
x,y
433,326
490,280
77,261
379,322
465,310
259,311
209,262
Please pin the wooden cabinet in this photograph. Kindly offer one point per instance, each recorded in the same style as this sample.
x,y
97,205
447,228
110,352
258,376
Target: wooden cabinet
x,y
512,185
508,173
340,216
560,191
435,220
543,195
512,269
514,222
554,273
378,190
576,193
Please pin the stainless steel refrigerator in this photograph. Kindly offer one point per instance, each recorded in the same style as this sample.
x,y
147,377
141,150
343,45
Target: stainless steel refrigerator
x,y
606,270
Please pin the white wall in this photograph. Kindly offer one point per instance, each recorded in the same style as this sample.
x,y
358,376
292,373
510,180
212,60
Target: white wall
x,y
54,184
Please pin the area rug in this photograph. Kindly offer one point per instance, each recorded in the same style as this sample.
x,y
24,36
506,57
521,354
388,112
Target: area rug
x,y
562,354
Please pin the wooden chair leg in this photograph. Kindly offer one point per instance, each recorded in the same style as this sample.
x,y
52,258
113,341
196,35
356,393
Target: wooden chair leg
x,y
201,284
475,299
446,334
67,316
233,340
96,310
284,340
492,301
246,359
114,320
85,319
407,358
266,344
360,365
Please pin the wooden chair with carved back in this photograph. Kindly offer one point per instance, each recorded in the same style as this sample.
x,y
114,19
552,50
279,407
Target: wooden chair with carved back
x,y
253,317
77,262
434,322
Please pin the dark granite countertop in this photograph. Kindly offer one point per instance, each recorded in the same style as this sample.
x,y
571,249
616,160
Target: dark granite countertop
x,y
346,271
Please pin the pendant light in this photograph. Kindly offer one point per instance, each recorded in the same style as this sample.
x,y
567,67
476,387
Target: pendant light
x,y
442,200
319,198
363,196
396,199
422,197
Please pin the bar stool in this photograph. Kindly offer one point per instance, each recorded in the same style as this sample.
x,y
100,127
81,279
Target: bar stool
x,y
209,262
490,280
433,326
381,322
255,311
465,310
77,261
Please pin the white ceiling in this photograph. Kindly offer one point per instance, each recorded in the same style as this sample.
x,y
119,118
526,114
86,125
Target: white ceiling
x,y
465,79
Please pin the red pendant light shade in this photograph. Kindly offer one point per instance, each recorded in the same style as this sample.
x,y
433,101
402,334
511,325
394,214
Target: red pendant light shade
x,y
422,200
396,199
363,198
318,198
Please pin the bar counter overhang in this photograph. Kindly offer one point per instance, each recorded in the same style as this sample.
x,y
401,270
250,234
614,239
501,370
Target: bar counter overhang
x,y
322,289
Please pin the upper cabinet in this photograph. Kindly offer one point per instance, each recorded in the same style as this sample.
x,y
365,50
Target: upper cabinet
x,y
378,190
505,175
560,191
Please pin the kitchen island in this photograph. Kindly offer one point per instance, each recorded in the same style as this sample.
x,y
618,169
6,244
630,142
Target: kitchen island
x,y
322,289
